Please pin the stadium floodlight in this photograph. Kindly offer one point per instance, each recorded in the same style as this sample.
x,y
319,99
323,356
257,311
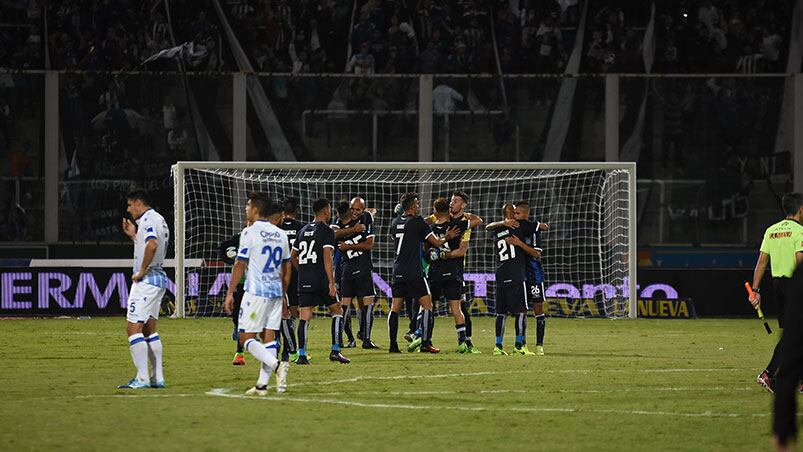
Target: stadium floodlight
x,y
589,252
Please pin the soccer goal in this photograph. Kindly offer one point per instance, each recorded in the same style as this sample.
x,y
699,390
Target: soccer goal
x,y
589,252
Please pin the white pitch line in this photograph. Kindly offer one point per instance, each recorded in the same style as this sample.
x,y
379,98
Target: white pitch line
x,y
403,377
531,391
475,374
223,392
131,396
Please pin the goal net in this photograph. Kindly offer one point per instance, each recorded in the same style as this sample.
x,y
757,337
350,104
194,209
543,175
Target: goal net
x,y
589,250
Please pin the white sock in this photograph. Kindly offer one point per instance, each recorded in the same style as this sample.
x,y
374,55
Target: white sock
x,y
264,370
267,355
155,356
139,354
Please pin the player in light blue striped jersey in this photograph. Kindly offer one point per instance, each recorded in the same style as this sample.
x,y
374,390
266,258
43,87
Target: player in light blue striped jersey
x,y
150,236
265,251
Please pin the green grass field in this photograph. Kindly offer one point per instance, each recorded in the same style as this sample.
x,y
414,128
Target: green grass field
x,y
603,385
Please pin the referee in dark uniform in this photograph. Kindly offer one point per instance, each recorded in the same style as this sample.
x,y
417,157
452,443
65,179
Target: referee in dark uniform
x,y
782,249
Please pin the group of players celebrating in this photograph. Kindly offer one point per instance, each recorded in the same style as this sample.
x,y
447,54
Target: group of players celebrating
x,y
329,264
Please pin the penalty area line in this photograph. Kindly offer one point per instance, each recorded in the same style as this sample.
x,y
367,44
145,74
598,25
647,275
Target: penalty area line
x,y
226,393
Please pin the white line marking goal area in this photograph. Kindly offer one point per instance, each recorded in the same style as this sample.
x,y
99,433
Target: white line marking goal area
x,y
227,393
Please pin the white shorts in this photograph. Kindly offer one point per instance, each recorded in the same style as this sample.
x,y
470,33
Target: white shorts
x,y
259,313
144,302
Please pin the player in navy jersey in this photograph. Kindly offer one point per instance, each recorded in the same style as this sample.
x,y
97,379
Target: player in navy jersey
x,y
343,211
535,270
457,210
409,232
313,253
511,287
446,266
357,280
291,225
527,238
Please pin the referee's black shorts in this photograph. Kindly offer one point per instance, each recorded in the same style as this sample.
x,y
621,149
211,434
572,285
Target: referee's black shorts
x,y
780,290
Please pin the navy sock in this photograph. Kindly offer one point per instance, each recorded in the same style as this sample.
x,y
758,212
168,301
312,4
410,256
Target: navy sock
x,y
540,327
337,332
500,329
302,336
393,326
521,329
461,333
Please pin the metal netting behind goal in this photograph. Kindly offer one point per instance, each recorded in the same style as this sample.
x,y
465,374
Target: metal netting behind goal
x,y
588,255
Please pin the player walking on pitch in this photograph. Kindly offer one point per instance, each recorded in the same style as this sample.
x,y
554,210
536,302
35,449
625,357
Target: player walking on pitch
x,y
265,252
313,253
409,232
150,237
782,249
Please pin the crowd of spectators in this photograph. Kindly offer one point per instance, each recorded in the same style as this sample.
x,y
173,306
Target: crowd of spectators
x,y
292,35
691,36
400,36
426,36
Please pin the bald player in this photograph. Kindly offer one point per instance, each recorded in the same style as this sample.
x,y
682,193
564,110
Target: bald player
x,y
356,279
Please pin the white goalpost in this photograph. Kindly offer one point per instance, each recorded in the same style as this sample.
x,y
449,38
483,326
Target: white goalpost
x,y
589,256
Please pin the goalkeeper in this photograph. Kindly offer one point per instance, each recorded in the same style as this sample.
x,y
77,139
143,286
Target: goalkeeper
x,y
782,249
228,252
446,266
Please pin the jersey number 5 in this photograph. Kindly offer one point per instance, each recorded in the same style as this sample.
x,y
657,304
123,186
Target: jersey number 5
x,y
306,253
506,251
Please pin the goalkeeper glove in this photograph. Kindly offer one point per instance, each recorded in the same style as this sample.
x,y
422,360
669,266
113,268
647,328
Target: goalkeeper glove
x,y
397,210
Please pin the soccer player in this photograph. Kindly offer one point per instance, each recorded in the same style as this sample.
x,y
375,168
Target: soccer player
x,y
357,280
511,286
446,267
534,270
782,248
343,211
228,254
457,206
313,253
291,225
265,253
150,237
409,232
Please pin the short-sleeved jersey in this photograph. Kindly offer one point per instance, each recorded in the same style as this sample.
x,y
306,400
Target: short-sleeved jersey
x,y
291,226
445,269
309,244
264,247
152,226
532,237
408,232
357,263
338,258
510,259
781,241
